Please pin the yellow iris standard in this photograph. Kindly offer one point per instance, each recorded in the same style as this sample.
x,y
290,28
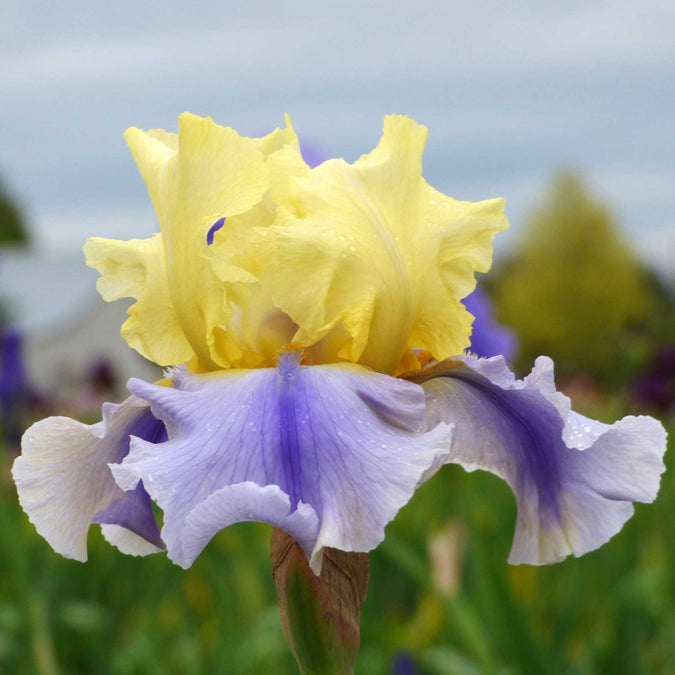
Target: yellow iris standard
x,y
361,262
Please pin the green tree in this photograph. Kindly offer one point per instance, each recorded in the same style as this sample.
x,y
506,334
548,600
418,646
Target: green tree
x,y
12,229
574,290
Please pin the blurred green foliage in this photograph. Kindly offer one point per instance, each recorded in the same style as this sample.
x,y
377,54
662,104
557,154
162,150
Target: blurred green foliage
x,y
612,611
12,227
13,232
575,291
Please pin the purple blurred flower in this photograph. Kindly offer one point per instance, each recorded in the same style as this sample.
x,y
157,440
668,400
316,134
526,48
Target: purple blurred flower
x,y
403,664
312,153
14,387
102,375
655,389
488,338
13,379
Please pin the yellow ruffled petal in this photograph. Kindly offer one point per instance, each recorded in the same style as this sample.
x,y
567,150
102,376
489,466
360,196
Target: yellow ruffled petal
x,y
205,173
443,326
361,262
371,248
152,150
241,253
137,269
278,139
284,163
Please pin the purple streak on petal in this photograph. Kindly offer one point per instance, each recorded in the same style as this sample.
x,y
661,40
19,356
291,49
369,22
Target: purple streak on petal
x,y
534,432
212,231
574,479
488,338
142,425
64,480
133,510
329,453
288,428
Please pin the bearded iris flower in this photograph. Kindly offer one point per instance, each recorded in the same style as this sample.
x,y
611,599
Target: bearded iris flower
x,y
312,326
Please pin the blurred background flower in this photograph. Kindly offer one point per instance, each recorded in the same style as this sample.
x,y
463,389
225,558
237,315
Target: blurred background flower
x,y
14,388
488,337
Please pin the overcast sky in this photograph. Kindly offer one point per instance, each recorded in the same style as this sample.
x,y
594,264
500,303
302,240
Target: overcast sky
x,y
510,92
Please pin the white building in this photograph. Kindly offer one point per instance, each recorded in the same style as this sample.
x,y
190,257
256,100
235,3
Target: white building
x,y
67,327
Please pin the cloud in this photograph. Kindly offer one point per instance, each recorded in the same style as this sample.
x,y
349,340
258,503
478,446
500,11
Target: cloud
x,y
65,231
509,92
310,40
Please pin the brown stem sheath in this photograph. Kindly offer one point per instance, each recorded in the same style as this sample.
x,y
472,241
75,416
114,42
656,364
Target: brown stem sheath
x,y
320,614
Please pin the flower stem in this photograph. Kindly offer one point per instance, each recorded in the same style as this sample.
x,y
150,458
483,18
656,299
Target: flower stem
x,y
320,614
